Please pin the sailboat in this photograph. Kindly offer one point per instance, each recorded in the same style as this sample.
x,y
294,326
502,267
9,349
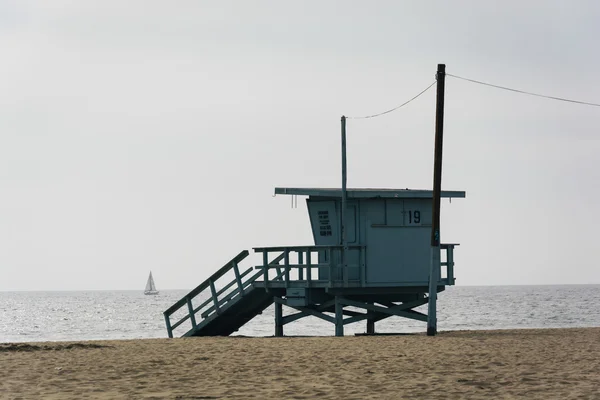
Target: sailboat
x,y
150,287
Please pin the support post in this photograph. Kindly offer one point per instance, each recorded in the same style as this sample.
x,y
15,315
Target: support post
x,y
434,268
301,262
344,242
434,276
329,255
238,278
286,263
308,268
278,318
370,324
339,317
191,311
213,292
169,329
450,264
266,269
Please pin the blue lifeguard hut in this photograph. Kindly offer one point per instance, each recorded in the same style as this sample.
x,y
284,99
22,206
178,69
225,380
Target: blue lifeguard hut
x,y
375,250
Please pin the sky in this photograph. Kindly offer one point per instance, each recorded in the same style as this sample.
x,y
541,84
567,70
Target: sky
x,y
147,135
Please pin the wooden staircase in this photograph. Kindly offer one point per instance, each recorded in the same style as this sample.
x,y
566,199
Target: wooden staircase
x,y
223,311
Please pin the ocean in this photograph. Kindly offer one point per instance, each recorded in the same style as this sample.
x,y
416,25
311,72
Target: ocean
x,y
68,316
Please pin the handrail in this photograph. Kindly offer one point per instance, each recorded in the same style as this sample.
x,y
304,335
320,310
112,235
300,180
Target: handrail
x,y
448,245
210,299
209,283
233,294
313,248
204,285
229,296
220,292
298,266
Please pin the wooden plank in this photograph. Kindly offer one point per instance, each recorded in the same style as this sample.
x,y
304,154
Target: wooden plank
x,y
278,320
330,267
301,262
339,317
293,248
286,264
191,312
405,306
181,321
356,318
326,305
450,265
303,248
169,329
392,311
265,268
298,266
215,298
273,264
308,268
277,260
238,278
447,245
314,313
293,317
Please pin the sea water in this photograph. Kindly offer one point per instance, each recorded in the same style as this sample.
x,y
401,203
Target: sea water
x,y
58,316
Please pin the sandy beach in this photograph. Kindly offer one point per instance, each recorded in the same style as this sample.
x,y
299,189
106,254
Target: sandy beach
x,y
532,364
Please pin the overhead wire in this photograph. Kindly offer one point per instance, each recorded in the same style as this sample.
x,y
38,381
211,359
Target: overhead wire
x,y
524,91
395,108
480,83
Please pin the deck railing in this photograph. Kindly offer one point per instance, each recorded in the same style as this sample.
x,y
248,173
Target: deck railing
x,y
338,274
449,263
291,264
300,263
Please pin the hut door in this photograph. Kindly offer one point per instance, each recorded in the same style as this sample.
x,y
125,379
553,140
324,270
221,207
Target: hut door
x,y
325,223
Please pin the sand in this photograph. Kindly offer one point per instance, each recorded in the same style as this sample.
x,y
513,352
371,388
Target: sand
x,y
531,364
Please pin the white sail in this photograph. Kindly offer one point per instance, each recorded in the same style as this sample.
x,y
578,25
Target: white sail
x,y
150,287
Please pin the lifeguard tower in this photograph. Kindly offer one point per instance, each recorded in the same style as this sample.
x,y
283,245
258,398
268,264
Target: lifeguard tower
x,y
384,268
375,250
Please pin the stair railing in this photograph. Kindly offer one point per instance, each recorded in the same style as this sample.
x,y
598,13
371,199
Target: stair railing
x,y
216,300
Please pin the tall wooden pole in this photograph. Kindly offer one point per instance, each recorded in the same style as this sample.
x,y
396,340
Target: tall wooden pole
x,y
434,269
343,241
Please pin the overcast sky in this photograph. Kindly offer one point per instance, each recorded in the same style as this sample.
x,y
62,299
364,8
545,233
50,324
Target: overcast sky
x,y
146,135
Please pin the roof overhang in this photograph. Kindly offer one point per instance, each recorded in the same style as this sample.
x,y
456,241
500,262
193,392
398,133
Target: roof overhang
x,y
369,193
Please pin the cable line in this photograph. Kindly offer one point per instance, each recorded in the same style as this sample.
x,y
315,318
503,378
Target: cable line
x,y
525,92
395,108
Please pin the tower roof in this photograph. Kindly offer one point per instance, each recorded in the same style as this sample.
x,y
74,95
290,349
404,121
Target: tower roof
x,y
369,193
